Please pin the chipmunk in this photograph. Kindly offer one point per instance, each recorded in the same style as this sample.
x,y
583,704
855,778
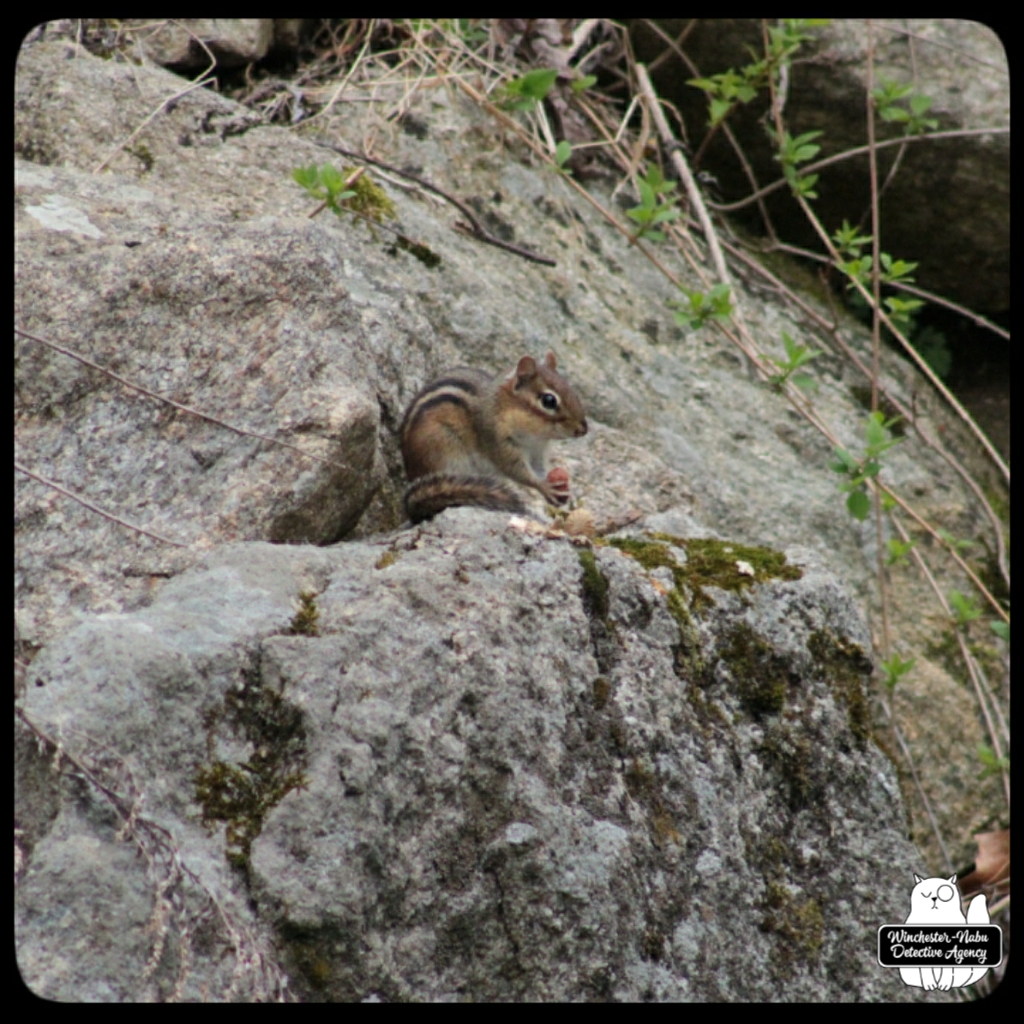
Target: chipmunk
x,y
466,433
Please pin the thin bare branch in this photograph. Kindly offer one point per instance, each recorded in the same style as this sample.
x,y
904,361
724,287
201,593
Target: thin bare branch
x,y
197,83
95,508
693,193
474,228
170,401
348,76
876,330
110,776
848,154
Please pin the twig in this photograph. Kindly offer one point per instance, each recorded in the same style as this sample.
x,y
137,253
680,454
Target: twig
x,y
177,405
580,34
917,782
675,46
671,145
165,868
348,76
953,553
474,228
909,349
95,508
848,154
196,84
485,236
997,746
626,232
901,286
930,442
796,399
673,148
876,288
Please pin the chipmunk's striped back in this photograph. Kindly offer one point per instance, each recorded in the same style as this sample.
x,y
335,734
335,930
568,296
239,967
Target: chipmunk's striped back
x,y
438,430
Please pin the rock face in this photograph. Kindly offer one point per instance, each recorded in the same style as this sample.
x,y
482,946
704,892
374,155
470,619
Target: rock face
x,y
464,761
190,267
468,760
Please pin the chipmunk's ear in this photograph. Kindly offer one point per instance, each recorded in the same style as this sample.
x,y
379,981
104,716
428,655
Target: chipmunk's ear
x,y
549,360
526,369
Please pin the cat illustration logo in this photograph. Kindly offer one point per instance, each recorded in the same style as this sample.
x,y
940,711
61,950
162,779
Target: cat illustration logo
x,y
948,948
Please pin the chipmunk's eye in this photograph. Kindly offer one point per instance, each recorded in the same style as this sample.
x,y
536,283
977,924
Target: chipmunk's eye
x,y
549,401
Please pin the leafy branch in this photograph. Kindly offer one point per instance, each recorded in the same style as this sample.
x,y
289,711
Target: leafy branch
x,y
859,471
796,356
730,88
528,90
893,669
887,97
657,205
794,151
345,191
700,307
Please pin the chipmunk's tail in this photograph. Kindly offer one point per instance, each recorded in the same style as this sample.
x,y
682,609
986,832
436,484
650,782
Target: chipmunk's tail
x,y
431,494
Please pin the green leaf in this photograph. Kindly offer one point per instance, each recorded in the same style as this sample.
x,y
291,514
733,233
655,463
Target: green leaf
x,y
874,432
991,765
719,109
895,668
802,140
331,179
537,84
805,153
306,176
859,505
919,104
562,152
898,551
955,543
965,608
579,84
847,239
844,461
805,185
933,347
893,114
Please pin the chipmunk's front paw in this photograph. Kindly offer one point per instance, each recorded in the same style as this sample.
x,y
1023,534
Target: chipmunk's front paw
x,y
558,485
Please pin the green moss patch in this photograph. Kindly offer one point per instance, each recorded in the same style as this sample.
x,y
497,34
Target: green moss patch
x,y
845,667
595,586
242,794
798,922
761,675
643,786
307,618
709,563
